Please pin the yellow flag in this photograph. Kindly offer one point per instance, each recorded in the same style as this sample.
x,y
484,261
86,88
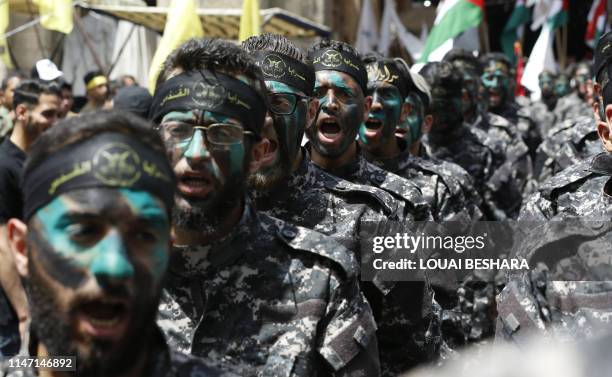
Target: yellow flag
x,y
249,22
4,23
182,23
56,15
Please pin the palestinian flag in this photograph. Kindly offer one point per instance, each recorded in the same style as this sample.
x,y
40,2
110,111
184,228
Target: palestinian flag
x,y
596,22
453,18
520,16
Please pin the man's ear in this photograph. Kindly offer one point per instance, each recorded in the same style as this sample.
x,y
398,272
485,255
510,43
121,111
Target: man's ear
x,y
260,150
603,129
21,112
17,232
404,112
313,106
427,123
367,104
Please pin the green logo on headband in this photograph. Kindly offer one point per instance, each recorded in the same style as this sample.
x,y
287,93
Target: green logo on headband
x,y
274,66
116,164
210,95
331,59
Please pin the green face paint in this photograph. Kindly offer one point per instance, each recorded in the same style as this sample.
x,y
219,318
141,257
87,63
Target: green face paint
x,y
341,115
410,128
123,231
383,117
496,83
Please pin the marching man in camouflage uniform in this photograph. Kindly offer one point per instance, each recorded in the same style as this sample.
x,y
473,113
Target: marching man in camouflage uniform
x,y
407,316
94,249
388,87
498,99
287,184
512,178
568,293
574,104
246,289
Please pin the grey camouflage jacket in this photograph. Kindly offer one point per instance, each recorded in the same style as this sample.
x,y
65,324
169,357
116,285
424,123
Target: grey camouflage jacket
x,y
278,299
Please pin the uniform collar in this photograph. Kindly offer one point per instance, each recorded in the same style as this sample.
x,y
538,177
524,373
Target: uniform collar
x,y
602,164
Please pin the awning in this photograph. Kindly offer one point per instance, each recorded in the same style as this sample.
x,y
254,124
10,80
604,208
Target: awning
x,y
222,23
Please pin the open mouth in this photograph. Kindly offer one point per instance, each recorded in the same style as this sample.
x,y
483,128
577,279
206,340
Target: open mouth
x,y
400,132
193,184
330,130
103,318
372,127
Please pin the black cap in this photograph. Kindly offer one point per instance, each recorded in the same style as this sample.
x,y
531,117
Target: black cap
x,y
134,99
603,52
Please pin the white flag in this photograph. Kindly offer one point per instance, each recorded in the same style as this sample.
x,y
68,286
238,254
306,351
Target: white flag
x,y
367,32
386,24
391,24
541,58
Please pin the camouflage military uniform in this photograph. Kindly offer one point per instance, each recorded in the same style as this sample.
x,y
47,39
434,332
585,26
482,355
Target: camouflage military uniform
x,y
9,328
572,106
568,295
512,178
575,192
567,144
312,198
333,206
544,118
524,120
465,149
442,191
280,299
163,363
362,172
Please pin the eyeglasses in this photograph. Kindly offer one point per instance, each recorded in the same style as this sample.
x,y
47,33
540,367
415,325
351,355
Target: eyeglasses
x,y
220,134
284,103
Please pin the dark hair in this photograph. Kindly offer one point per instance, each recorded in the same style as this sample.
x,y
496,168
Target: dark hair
x,y
497,57
12,75
335,45
76,129
429,70
273,42
29,91
446,81
213,54
458,55
372,57
90,75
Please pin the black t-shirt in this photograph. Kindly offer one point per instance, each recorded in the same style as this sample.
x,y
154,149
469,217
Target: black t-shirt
x,y
11,165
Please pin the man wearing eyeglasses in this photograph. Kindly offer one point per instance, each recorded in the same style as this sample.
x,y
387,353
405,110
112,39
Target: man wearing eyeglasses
x,y
252,292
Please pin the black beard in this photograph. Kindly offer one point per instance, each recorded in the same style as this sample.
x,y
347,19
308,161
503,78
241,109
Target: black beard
x,y
52,329
207,216
267,178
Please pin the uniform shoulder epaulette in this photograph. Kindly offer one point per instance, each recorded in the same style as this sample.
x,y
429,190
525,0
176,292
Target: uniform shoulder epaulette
x,y
304,239
343,187
564,179
453,184
395,184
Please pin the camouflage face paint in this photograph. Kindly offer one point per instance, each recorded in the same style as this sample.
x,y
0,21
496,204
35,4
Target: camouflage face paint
x,y
88,241
97,262
289,128
470,92
410,128
447,114
383,117
496,82
210,176
562,86
341,115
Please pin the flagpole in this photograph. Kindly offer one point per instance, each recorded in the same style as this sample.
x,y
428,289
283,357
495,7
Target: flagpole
x,y
484,32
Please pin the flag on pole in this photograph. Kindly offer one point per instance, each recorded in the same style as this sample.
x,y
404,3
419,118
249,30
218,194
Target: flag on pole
x,y
182,23
56,15
367,32
453,18
390,25
542,56
596,22
4,23
249,22
519,17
